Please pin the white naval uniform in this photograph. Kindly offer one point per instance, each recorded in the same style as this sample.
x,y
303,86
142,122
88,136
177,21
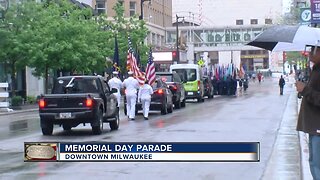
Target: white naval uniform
x,y
144,95
131,86
116,83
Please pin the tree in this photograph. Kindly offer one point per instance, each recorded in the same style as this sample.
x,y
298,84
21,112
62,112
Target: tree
x,y
125,27
13,33
64,38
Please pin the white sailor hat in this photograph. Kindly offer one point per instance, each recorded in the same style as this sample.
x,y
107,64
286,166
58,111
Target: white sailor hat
x,y
115,72
130,72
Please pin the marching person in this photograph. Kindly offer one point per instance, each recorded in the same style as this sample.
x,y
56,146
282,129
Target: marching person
x,y
309,115
144,96
131,85
282,82
115,82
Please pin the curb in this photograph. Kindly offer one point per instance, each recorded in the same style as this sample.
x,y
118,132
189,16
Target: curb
x,y
285,160
304,151
18,111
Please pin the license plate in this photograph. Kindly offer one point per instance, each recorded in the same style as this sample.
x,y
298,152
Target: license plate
x,y
65,115
190,93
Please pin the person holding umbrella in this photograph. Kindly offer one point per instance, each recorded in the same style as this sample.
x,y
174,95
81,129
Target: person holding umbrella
x,y
309,115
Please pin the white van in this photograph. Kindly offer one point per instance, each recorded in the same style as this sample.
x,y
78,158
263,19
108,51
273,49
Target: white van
x,y
191,75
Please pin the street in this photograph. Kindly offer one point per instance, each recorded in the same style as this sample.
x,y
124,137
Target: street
x,y
252,116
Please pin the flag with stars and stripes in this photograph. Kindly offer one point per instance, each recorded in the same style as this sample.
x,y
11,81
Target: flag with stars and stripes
x,y
150,71
132,65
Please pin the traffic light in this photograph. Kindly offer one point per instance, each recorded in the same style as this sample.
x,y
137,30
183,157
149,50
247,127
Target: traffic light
x,y
305,53
284,56
174,56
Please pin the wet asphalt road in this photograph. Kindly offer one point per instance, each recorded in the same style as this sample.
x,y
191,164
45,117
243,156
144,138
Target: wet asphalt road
x,y
252,116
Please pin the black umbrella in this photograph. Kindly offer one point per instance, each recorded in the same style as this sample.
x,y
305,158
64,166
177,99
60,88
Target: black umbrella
x,y
287,38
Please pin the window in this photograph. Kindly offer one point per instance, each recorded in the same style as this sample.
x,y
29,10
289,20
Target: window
x,y
132,8
75,85
254,21
268,21
239,22
101,6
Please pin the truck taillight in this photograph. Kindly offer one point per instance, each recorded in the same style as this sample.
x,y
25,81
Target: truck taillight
x,y
42,103
198,84
159,91
89,102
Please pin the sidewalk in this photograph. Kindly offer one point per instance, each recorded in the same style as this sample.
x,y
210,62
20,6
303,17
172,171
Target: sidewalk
x,y
289,158
22,109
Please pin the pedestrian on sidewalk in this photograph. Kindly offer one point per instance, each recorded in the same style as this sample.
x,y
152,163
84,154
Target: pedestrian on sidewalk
x,y
309,115
259,77
282,82
144,96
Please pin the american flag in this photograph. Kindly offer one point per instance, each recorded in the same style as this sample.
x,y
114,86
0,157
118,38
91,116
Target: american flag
x,y
132,65
150,71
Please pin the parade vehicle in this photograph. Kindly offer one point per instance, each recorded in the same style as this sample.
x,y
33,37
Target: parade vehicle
x,y
161,99
79,99
208,87
175,84
191,74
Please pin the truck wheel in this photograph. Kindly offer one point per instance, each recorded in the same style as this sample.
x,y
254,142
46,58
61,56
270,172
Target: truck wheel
x,y
114,125
97,125
66,127
164,109
46,127
200,99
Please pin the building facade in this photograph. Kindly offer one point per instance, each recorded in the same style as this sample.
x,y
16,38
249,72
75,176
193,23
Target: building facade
x,y
156,13
226,26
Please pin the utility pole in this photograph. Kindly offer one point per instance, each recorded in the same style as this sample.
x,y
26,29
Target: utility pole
x,y
177,37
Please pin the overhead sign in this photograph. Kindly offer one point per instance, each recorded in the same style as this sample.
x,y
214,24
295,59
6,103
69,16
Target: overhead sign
x,y
255,56
305,16
315,11
162,56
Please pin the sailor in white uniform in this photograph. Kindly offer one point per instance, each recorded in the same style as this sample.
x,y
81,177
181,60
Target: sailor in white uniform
x,y
131,85
144,96
115,82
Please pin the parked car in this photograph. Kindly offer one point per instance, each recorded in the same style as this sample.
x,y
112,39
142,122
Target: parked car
x,y
208,87
161,99
175,84
78,100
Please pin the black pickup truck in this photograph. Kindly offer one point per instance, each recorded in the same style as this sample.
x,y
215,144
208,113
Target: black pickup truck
x,y
79,99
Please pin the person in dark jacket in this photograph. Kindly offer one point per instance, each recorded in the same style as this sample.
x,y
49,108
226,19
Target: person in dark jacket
x,y
309,115
282,82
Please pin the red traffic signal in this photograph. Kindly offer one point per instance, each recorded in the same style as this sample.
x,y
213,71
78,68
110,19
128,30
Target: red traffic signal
x,y
305,53
174,55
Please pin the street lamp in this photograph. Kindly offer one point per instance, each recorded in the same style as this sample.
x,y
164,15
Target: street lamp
x,y
177,38
141,8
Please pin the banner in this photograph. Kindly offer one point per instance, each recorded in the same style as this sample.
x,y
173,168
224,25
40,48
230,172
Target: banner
x,y
143,152
315,11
